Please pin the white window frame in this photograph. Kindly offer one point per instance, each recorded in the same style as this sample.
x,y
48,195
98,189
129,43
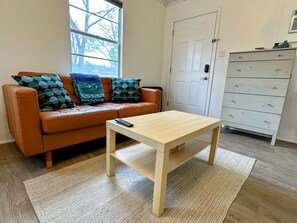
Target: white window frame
x,y
120,34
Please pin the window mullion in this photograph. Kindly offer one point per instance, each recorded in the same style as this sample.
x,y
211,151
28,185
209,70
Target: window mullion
x,y
93,36
99,58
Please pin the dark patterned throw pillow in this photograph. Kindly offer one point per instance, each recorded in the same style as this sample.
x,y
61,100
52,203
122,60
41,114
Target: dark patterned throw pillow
x,y
51,92
125,90
88,88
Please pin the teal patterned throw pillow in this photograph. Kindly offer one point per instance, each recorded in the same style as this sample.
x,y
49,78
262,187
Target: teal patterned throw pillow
x,y
125,90
51,92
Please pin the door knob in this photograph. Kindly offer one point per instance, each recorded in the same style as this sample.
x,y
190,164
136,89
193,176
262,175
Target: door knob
x,y
205,78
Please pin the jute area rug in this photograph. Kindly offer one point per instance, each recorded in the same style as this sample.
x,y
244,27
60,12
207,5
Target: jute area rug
x,y
196,191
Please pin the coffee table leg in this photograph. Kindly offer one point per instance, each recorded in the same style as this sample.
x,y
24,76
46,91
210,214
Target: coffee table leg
x,y
110,147
161,171
214,145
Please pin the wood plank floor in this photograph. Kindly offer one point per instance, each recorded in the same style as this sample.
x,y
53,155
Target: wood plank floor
x,y
268,195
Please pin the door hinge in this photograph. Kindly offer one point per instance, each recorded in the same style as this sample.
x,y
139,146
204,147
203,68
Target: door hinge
x,y
172,32
215,40
170,70
167,103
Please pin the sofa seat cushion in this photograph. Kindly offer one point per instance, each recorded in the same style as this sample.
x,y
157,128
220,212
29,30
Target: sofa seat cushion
x,y
133,109
130,109
79,117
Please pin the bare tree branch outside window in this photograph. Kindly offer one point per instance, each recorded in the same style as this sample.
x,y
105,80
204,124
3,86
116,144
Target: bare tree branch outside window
x,y
94,37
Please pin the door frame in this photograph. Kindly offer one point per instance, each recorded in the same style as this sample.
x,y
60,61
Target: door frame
x,y
218,12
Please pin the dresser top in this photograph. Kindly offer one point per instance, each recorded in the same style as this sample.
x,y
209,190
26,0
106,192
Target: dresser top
x,y
269,50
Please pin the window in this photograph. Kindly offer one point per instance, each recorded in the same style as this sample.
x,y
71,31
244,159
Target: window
x,y
95,36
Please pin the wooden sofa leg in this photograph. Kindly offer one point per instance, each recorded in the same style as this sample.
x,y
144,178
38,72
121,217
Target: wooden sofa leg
x,y
48,159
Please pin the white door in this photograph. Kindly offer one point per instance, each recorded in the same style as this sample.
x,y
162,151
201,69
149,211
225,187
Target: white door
x,y
191,51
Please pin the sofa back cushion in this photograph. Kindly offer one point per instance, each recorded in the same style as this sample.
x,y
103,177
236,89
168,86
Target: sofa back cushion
x,y
68,85
107,85
67,81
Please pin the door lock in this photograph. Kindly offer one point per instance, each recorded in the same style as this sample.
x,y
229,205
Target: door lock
x,y
206,68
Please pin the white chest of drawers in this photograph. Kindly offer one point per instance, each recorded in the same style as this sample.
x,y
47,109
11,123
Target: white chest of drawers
x,y
255,90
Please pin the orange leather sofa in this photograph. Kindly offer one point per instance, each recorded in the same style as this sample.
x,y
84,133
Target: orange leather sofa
x,y
41,132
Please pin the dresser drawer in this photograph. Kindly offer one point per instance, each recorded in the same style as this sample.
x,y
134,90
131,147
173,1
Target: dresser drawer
x,y
272,87
251,118
263,55
268,104
261,69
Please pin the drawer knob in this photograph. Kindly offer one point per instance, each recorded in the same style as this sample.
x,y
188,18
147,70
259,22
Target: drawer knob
x,y
231,116
267,122
273,87
279,55
236,85
239,70
270,105
233,101
240,57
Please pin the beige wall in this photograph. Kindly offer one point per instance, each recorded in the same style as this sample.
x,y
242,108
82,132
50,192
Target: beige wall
x,y
143,40
244,25
35,37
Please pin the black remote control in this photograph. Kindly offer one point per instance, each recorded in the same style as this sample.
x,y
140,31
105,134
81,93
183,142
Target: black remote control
x,y
123,122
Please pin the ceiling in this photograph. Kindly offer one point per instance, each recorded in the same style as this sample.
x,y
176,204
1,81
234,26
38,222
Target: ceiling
x,y
168,2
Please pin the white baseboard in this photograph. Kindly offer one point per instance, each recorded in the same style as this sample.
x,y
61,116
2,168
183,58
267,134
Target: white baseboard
x,y
6,141
287,140
5,137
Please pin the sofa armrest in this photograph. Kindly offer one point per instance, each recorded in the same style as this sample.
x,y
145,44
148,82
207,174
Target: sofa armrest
x,y
22,109
151,95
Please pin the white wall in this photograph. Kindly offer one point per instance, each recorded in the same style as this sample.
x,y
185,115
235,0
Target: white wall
x,y
35,37
143,40
244,25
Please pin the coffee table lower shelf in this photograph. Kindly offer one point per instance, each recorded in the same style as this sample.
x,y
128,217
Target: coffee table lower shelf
x,y
143,158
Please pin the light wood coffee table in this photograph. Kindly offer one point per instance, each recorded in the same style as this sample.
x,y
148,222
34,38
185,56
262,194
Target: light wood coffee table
x,y
159,133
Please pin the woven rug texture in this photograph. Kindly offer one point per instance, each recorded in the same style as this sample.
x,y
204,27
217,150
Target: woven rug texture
x,y
196,191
